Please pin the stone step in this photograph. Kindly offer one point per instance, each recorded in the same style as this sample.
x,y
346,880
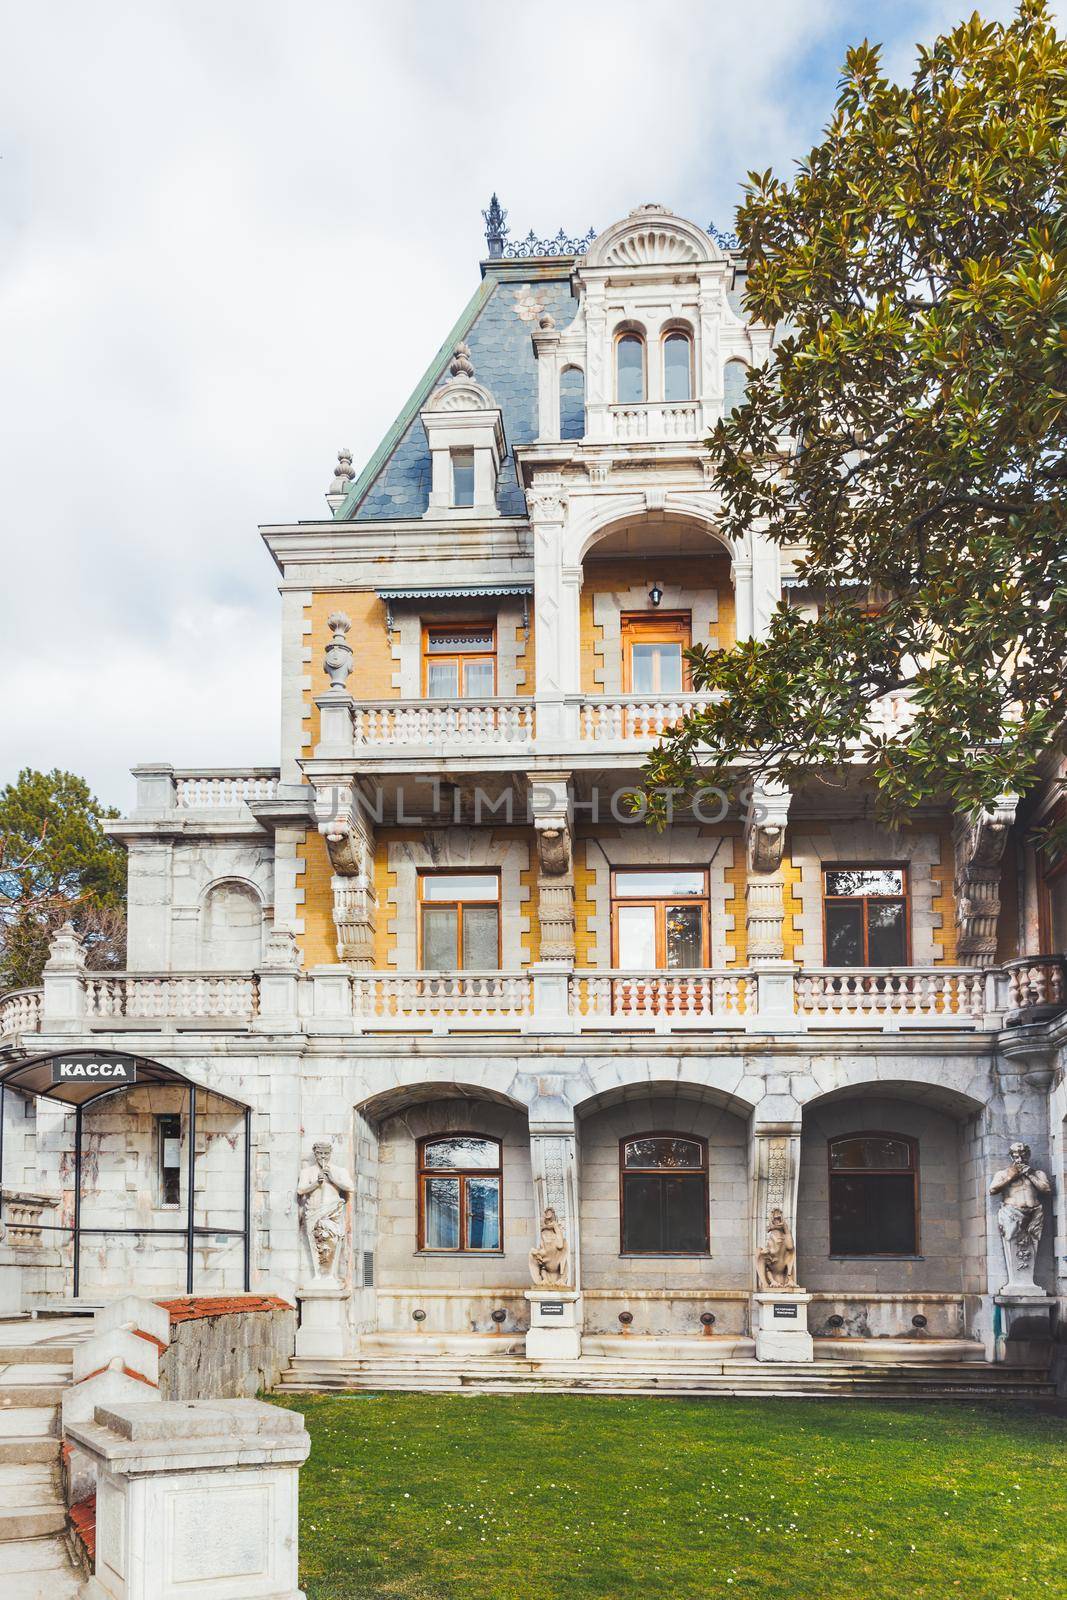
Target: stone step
x,y
730,1391
27,1422
38,1569
28,1451
43,1515
14,1396
833,1371
59,1355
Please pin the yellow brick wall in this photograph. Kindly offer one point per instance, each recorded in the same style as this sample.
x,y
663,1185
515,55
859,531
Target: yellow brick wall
x,y
945,902
373,665
526,660
690,573
793,909
318,942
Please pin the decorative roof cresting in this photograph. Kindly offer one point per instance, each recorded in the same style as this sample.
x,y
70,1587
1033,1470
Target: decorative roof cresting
x,y
499,245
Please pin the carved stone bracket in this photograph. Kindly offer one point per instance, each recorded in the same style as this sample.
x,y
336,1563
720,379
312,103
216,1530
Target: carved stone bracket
x,y
349,835
979,840
765,823
550,806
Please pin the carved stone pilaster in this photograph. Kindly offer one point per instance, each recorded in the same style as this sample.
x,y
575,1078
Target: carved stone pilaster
x,y
349,835
550,805
775,1168
554,1165
979,841
765,824
765,918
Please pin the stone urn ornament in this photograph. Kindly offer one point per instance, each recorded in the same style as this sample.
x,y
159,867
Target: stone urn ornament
x,y
338,656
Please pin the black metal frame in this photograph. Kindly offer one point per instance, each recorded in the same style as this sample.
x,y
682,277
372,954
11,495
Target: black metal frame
x,y
190,1231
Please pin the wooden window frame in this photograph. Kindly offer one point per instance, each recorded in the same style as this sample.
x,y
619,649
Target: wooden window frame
x,y
655,627
459,656
677,332
461,872
653,1172
422,1173
864,900
874,1172
1048,873
660,903
620,335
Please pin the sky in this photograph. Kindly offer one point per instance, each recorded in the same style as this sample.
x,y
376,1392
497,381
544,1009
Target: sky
x,y
231,238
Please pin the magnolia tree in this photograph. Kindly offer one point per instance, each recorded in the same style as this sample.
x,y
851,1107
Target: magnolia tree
x,y
907,435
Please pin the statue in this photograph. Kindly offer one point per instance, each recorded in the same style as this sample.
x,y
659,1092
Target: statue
x,y
776,1261
323,1191
550,1260
1021,1218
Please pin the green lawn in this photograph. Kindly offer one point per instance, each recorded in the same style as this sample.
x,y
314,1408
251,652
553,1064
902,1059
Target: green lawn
x,y
420,1497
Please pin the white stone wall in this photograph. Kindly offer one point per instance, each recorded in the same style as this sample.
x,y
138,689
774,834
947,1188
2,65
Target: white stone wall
x,y
609,607
465,850
603,1264
171,884
939,1264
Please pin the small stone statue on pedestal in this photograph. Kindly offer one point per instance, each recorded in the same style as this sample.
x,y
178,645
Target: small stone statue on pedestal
x,y
323,1191
550,1260
776,1260
1021,1217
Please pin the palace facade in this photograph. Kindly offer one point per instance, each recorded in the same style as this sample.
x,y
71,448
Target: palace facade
x,y
436,937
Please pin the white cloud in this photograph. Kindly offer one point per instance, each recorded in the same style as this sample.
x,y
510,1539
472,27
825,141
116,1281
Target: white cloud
x,y
233,235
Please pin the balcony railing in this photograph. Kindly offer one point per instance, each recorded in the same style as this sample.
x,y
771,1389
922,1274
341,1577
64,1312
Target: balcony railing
x,y
495,721
656,419
888,999
698,998
149,997
200,791
404,999
860,997
619,719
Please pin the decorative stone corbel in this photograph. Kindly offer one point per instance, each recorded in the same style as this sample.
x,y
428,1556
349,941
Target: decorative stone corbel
x,y
765,824
979,839
550,807
349,835
337,659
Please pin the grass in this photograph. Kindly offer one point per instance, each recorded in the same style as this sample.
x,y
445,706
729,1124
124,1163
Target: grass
x,y
437,1497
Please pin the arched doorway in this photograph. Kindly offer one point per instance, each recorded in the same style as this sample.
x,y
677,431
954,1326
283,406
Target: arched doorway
x,y
175,1119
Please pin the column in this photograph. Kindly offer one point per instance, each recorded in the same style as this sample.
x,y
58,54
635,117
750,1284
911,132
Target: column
x,y
555,1300
556,618
779,1305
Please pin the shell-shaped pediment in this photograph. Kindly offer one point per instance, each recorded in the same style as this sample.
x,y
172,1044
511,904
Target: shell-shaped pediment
x,y
652,236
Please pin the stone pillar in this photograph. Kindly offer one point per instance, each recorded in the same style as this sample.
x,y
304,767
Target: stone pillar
x,y
279,983
556,619
779,1315
197,1496
555,1309
546,350
64,982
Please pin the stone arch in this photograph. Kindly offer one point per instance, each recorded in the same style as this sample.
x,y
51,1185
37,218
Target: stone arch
x,y
718,1081
601,518
231,925
419,1082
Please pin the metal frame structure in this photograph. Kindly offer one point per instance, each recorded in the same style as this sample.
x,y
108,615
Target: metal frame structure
x,y
34,1076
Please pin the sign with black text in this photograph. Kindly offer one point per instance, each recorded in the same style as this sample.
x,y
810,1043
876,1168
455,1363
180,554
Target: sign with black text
x,y
785,1311
551,1308
94,1067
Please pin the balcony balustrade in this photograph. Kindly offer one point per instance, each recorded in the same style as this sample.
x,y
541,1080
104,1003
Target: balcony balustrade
x,y
205,791
656,419
556,999
634,718
460,723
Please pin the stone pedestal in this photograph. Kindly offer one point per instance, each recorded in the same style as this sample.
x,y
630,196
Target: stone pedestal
x,y
197,1498
555,1325
323,1326
780,1318
1022,1327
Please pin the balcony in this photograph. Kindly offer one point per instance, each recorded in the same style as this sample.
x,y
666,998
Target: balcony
x,y
656,419
445,724
633,720
543,999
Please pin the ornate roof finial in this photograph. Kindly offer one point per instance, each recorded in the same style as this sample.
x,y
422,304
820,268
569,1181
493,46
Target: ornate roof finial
x,y
461,361
496,226
342,477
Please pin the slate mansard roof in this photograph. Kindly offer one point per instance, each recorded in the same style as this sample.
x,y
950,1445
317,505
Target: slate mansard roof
x,y
497,325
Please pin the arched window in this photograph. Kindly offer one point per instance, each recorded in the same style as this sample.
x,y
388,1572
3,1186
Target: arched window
x,y
677,366
572,403
874,1195
734,385
664,1178
231,927
630,369
460,1193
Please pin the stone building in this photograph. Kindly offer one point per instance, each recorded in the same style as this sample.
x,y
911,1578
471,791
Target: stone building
x,y
436,936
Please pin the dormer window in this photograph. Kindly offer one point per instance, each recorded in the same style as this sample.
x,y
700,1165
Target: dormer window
x,y
630,369
462,478
677,366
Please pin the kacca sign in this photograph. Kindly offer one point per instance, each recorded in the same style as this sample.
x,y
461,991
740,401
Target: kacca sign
x,y
108,1071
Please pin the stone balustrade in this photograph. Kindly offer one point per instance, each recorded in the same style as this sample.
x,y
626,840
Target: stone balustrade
x,y
20,1012
494,721
699,997
624,718
554,997
863,995
223,787
656,419
176,995
23,1216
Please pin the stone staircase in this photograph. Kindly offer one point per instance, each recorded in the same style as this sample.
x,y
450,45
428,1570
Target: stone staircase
x,y
35,1368
927,1375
